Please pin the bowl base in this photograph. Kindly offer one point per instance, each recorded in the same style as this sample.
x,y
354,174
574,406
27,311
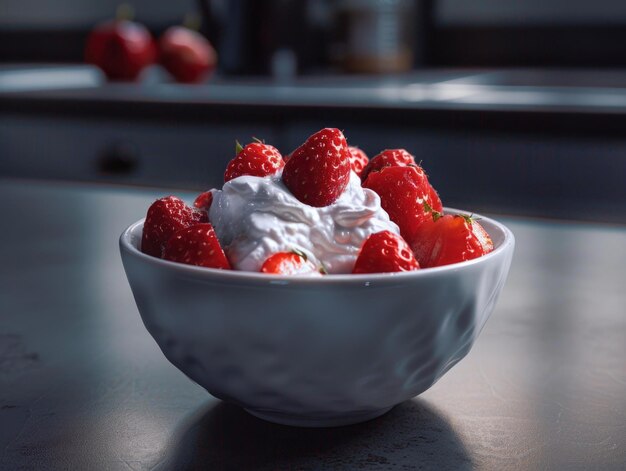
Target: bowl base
x,y
295,420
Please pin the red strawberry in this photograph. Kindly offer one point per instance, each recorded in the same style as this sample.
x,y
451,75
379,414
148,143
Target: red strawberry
x,y
400,158
424,242
319,170
450,239
434,200
388,158
385,252
358,160
204,200
402,191
196,245
256,159
120,47
186,54
165,217
289,263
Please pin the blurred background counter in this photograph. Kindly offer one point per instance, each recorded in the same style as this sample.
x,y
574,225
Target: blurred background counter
x,y
544,143
512,107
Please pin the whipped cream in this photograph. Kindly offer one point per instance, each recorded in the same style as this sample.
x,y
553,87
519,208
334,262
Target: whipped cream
x,y
256,217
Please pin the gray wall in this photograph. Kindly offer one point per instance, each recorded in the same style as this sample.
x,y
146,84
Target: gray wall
x,y
80,13
531,11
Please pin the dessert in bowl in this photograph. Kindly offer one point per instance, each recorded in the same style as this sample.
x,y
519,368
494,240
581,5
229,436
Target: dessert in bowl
x,y
305,348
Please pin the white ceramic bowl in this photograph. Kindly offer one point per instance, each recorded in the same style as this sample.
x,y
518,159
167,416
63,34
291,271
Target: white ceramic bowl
x,y
326,351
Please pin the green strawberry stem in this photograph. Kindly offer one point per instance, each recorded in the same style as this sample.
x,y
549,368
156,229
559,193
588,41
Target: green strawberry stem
x,y
428,208
124,12
300,253
238,147
192,21
469,218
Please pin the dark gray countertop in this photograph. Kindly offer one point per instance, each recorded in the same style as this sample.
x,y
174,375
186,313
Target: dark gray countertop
x,y
83,385
496,90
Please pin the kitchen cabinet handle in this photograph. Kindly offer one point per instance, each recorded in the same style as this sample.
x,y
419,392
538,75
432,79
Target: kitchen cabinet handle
x,y
119,159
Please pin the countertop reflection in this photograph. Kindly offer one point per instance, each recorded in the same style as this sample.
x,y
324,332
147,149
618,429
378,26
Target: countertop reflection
x,y
83,386
506,90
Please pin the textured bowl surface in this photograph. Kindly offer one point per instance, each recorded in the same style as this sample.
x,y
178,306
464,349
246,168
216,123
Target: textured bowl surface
x,y
326,351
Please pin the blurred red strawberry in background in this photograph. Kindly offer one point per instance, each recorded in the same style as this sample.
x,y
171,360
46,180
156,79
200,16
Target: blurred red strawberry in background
x,y
120,47
187,55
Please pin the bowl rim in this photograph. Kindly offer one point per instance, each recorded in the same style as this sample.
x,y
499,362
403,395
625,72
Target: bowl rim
x,y
234,276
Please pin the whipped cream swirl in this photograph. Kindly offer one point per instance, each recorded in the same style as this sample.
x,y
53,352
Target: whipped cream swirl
x,y
256,217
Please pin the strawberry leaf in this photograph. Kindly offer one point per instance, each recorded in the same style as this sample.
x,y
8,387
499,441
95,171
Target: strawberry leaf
x,y
300,253
469,218
429,209
238,147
